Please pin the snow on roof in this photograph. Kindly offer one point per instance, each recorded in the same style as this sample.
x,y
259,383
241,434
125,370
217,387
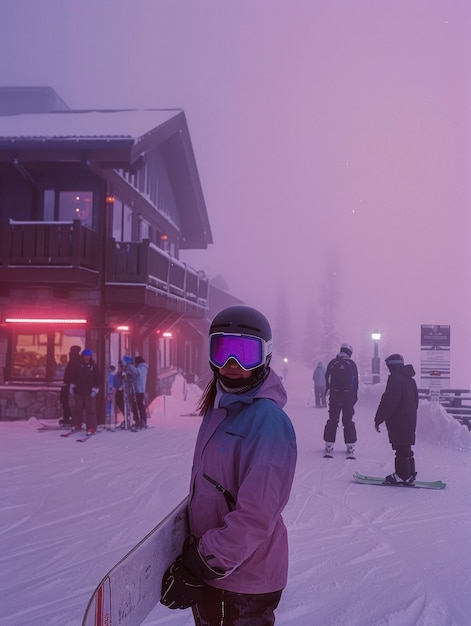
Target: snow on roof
x,y
129,124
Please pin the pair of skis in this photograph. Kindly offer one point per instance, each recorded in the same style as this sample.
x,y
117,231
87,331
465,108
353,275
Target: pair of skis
x,y
68,431
76,432
349,455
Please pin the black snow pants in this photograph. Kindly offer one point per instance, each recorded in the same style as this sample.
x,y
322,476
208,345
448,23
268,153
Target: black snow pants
x,y
341,402
227,608
404,462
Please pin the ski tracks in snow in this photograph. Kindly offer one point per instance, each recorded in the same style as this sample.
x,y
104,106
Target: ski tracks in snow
x,y
354,551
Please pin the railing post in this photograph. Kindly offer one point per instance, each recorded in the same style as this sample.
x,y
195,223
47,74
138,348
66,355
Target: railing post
x,y
143,260
5,242
185,272
76,243
110,262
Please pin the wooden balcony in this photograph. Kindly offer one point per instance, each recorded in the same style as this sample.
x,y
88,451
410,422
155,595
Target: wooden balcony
x,y
157,278
49,253
69,253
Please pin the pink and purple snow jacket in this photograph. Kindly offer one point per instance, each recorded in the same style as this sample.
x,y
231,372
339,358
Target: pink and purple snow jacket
x,y
246,446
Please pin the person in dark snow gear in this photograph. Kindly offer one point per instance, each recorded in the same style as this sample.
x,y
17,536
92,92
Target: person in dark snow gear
x,y
318,378
74,358
341,378
235,569
85,385
398,410
118,387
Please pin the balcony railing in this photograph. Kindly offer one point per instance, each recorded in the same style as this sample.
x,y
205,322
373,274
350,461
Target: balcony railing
x,y
66,244
69,252
145,263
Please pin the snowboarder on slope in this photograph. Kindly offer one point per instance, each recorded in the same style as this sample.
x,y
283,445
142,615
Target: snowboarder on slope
x,y
398,410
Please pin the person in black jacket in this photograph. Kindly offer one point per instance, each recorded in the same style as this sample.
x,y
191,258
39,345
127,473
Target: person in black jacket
x,y
85,385
74,358
341,383
398,410
118,386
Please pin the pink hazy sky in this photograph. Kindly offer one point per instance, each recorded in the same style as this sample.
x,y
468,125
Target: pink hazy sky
x,y
322,128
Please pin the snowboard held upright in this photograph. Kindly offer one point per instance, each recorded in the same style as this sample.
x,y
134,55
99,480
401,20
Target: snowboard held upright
x,y
131,589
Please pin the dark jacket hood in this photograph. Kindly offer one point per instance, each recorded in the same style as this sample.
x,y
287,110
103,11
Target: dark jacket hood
x,y
403,370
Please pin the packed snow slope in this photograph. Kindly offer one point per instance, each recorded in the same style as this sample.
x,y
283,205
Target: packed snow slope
x,y
360,555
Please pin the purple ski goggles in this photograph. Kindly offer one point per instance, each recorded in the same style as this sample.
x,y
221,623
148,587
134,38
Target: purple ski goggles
x,y
249,352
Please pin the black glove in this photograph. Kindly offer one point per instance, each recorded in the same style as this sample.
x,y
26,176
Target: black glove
x,y
182,583
180,589
378,429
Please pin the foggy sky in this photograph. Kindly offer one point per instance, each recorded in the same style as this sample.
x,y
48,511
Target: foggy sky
x,y
322,129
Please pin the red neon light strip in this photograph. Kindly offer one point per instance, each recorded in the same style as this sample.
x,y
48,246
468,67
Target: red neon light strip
x,y
43,320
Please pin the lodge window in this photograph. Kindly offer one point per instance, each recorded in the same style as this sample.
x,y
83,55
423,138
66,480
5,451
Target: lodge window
x,y
129,225
165,352
66,206
122,221
42,356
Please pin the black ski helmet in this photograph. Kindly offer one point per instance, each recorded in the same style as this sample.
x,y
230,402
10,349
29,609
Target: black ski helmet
x,y
245,320
242,320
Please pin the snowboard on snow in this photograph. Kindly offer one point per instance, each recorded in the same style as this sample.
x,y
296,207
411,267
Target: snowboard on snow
x,y
132,588
377,480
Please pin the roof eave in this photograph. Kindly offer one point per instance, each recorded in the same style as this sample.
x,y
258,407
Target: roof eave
x,y
114,151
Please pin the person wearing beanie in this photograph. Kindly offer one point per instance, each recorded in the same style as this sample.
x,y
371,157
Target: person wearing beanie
x,y
398,410
235,570
341,378
85,385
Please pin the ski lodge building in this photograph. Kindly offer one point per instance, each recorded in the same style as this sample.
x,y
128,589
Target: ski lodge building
x,y
95,207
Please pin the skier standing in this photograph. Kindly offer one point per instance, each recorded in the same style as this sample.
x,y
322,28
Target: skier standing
x,y
243,468
139,373
341,382
85,384
118,387
110,394
398,410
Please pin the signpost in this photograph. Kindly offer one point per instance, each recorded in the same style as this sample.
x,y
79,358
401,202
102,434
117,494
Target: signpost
x,y
434,358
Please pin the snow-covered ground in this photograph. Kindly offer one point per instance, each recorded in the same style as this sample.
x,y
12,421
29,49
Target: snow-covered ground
x,y
360,555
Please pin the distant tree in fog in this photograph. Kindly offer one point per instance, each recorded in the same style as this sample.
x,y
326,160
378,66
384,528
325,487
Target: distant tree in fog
x,y
310,340
282,330
330,299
